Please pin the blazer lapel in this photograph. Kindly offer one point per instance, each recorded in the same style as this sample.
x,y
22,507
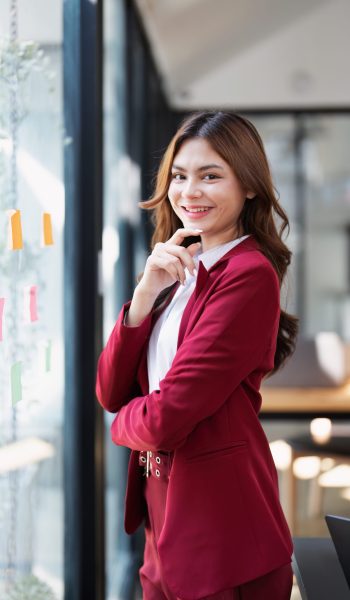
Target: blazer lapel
x,y
247,245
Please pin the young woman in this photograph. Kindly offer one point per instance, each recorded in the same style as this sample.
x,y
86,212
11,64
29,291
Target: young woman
x,y
183,367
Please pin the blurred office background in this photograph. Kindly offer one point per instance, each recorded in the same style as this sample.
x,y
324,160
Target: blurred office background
x,y
90,94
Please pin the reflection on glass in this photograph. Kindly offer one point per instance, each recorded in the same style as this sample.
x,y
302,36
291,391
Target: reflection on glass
x,y
278,135
327,284
31,303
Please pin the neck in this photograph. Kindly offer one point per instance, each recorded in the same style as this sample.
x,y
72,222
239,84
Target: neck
x,y
213,242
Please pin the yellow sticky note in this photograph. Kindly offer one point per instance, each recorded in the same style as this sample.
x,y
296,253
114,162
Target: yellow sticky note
x,y
47,238
15,239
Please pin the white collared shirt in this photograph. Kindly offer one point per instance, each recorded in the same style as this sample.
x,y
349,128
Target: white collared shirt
x,y
163,340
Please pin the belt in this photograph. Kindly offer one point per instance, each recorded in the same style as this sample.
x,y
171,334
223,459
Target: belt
x,y
156,463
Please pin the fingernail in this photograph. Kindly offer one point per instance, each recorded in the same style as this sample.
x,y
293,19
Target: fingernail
x,y
197,229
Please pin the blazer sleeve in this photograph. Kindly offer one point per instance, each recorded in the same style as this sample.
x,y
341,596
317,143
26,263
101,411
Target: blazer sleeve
x,y
116,381
228,341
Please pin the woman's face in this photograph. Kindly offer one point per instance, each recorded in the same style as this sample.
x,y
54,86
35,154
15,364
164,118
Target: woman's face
x,y
201,179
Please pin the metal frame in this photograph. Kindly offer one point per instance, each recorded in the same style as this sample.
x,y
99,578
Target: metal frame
x,y
83,422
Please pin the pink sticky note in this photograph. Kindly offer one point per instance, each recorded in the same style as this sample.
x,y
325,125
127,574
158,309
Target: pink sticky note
x,y
2,304
30,303
33,303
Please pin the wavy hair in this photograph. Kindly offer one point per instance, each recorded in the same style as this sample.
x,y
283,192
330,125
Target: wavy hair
x,y
238,142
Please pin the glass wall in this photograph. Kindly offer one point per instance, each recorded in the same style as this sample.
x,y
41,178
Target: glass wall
x,y
31,300
308,158
326,145
278,134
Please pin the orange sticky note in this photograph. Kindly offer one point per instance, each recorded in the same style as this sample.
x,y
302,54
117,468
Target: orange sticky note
x,y
47,238
2,304
15,239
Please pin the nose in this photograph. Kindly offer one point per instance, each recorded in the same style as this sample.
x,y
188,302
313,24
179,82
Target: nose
x,y
191,190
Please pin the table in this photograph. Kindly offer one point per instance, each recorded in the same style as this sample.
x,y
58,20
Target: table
x,y
299,400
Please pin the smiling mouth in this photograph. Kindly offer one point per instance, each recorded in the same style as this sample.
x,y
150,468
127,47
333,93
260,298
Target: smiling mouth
x,y
200,209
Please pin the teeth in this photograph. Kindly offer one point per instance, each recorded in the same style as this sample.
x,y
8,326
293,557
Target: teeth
x,y
196,209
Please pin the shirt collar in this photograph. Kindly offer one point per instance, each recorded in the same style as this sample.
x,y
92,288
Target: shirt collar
x,y
209,257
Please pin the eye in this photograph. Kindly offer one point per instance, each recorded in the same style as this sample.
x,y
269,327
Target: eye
x,y
211,176
177,176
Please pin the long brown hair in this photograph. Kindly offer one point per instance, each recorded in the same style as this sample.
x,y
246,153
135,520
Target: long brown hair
x,y
238,142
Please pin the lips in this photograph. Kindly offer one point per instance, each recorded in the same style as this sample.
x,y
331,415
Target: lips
x,y
196,209
196,214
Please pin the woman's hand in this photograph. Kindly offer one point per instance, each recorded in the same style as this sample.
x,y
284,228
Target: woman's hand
x,y
167,262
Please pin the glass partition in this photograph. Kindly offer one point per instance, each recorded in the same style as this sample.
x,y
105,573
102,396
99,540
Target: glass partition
x,y
308,158
278,134
326,145
31,301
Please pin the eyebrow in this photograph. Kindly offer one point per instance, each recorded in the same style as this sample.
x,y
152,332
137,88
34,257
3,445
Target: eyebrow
x,y
204,168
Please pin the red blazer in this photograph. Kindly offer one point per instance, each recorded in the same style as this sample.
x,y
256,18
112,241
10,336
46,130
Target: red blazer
x,y
224,524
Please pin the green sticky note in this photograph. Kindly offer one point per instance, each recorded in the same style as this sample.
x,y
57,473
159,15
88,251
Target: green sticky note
x,y
48,356
16,383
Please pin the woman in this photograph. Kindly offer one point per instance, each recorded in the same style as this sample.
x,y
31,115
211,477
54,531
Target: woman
x,y
183,368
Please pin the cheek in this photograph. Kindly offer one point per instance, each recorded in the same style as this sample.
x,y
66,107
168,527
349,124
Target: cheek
x,y
173,193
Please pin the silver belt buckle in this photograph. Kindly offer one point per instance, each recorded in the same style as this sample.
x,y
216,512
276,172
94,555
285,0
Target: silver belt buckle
x,y
148,462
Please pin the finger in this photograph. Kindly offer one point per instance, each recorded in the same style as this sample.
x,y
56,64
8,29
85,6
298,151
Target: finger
x,y
193,248
183,253
176,262
183,232
173,265
169,263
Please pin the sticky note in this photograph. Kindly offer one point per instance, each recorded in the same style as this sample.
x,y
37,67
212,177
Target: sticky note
x,y
48,356
30,303
15,238
33,312
2,304
47,239
16,383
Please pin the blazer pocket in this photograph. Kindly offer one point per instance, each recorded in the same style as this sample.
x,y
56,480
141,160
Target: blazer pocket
x,y
229,448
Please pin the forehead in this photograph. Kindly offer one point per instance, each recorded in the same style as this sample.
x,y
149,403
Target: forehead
x,y
195,153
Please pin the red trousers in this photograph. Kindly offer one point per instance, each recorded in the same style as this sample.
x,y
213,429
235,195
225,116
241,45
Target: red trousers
x,y
276,585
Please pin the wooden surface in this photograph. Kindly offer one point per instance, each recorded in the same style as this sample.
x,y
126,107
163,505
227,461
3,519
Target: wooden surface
x,y
306,399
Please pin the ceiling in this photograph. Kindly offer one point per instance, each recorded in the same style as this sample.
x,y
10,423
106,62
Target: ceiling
x,y
239,54
249,53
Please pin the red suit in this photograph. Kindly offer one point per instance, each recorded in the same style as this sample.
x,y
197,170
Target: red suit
x,y
223,522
